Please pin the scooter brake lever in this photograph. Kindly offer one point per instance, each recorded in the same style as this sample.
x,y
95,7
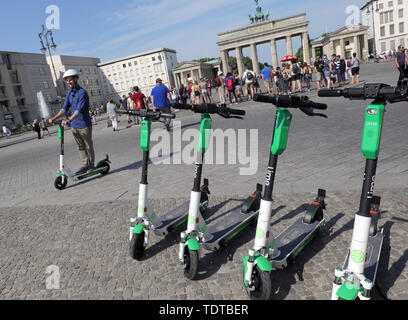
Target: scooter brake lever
x,y
309,111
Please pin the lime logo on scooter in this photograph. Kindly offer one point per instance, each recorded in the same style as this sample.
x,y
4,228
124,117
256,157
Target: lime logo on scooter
x,y
357,256
191,219
260,233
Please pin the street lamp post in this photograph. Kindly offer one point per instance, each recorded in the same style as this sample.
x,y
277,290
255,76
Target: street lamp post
x,y
372,12
43,35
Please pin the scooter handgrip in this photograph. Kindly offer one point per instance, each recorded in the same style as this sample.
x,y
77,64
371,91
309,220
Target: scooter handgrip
x,y
237,112
168,115
264,98
206,108
330,93
319,106
182,106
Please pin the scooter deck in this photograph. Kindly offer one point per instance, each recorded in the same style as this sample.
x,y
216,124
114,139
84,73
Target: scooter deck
x,y
228,227
372,257
171,218
293,239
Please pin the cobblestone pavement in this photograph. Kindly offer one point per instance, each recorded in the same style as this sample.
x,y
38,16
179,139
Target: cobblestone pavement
x,y
83,230
89,244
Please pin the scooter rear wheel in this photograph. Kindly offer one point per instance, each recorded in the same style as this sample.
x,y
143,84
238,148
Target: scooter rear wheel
x,y
58,184
261,285
106,171
136,246
191,264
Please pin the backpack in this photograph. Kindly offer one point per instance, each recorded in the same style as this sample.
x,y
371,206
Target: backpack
x,y
249,75
349,63
218,82
230,84
295,69
342,65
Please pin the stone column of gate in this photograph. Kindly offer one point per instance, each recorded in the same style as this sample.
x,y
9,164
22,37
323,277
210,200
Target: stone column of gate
x,y
357,46
289,48
313,54
240,61
306,47
254,56
365,46
225,62
342,49
274,53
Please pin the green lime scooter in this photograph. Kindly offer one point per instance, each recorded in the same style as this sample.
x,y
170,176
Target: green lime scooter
x,y
198,233
147,220
357,277
64,173
269,252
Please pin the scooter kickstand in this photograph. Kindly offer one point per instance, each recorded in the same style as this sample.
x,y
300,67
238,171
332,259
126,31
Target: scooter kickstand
x,y
292,262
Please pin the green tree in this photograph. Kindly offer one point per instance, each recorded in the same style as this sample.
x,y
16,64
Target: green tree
x,y
299,54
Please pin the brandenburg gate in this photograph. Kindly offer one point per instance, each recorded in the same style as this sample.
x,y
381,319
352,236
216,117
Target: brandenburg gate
x,y
268,31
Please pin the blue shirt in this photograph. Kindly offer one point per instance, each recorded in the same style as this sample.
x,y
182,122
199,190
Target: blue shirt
x,y
77,99
159,94
266,73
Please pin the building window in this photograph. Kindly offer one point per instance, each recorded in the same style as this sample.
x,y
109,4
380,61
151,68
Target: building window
x,y
382,31
6,60
124,65
401,27
46,85
135,63
390,3
5,106
383,47
401,13
153,59
399,1
392,44
392,31
18,91
42,71
14,77
402,42
20,102
3,94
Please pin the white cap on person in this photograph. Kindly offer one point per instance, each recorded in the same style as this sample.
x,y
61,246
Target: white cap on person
x,y
71,73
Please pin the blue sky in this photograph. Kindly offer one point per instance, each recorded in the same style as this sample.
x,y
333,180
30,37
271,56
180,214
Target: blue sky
x,y
113,29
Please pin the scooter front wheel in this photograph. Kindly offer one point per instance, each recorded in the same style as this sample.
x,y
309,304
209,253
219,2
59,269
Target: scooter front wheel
x,y
190,264
261,288
136,247
58,184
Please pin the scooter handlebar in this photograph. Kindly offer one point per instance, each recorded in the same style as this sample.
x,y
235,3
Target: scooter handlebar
x,y
286,101
209,108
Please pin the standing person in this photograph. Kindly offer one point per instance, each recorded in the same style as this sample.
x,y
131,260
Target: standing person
x,y
286,79
267,76
348,69
355,69
209,91
77,100
196,92
280,85
92,113
124,102
342,70
327,71
183,92
44,128
238,85
401,62
249,78
36,128
203,89
6,131
220,86
161,100
130,105
295,76
111,109
318,67
307,75
139,101
229,81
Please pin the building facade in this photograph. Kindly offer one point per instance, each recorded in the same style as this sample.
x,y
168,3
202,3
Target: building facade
x,y
387,21
190,71
89,76
22,77
119,76
343,42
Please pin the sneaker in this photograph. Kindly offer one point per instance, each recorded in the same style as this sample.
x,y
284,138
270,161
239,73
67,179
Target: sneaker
x,y
82,170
